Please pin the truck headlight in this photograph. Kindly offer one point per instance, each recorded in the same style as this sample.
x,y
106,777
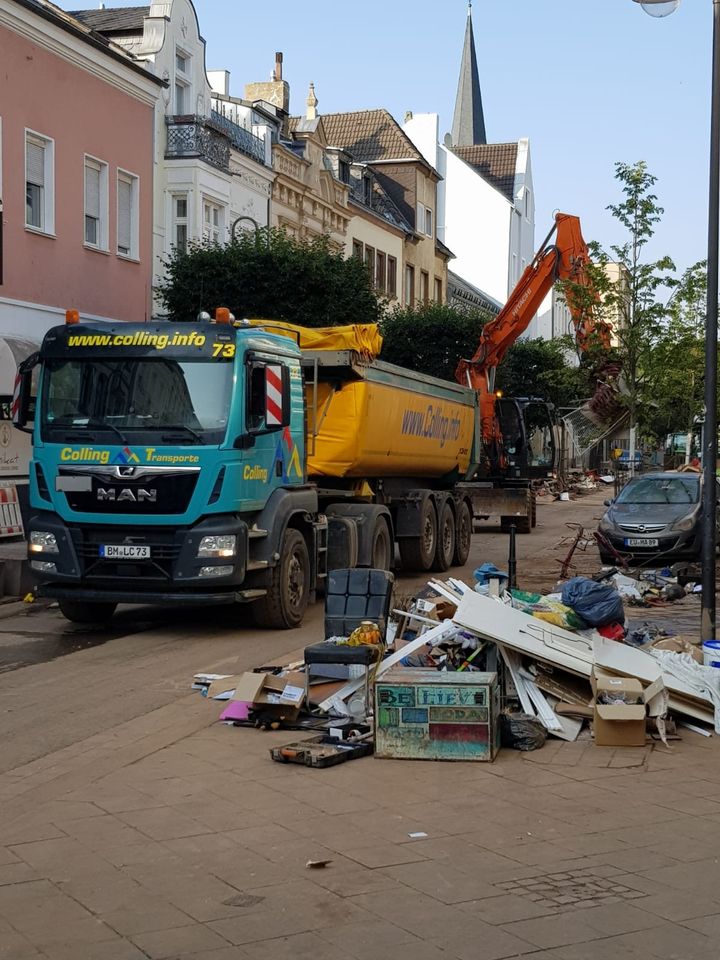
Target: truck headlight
x,y
220,546
685,524
215,571
41,541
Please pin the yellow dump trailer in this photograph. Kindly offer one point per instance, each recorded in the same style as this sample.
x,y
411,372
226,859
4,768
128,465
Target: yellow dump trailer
x,y
373,419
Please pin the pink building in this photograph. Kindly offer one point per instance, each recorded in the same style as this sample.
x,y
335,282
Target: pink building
x,y
76,173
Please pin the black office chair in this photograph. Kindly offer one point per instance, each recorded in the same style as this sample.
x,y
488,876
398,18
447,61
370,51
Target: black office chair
x,y
352,596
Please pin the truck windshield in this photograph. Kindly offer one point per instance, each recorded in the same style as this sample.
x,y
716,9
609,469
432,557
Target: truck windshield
x,y
175,401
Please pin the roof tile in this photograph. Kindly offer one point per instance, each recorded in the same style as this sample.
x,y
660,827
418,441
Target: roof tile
x,y
371,136
119,20
495,162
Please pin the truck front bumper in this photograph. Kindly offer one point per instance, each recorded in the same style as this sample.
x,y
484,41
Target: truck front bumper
x,y
173,571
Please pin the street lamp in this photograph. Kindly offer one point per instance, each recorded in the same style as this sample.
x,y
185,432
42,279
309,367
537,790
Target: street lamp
x,y
661,8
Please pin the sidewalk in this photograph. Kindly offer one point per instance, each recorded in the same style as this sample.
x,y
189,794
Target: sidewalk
x,y
173,837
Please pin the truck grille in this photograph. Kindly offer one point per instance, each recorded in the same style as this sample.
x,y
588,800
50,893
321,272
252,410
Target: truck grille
x,y
147,494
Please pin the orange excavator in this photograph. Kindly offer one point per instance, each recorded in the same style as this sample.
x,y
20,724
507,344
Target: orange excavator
x,y
567,259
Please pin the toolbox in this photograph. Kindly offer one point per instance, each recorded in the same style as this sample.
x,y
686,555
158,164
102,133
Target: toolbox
x,y
324,751
431,715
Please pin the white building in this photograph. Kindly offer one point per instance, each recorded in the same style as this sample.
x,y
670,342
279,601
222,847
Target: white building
x,y
486,206
213,161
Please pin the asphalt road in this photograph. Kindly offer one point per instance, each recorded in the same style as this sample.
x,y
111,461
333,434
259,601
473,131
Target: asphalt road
x,y
61,683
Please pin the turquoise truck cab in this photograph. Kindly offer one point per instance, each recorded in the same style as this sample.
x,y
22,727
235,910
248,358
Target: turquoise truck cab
x,y
169,467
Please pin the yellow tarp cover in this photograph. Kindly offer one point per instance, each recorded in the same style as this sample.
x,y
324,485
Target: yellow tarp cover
x,y
364,338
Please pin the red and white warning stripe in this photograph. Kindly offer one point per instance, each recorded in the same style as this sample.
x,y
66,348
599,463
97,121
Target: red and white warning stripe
x,y
273,395
15,410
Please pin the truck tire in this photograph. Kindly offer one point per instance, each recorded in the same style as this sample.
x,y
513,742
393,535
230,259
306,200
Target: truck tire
x,y
463,534
533,509
418,553
382,546
84,611
445,549
285,603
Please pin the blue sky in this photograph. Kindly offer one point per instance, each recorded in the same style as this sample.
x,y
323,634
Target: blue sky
x,y
590,82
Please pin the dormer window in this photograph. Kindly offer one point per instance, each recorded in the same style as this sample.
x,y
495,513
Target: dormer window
x,y
368,191
344,171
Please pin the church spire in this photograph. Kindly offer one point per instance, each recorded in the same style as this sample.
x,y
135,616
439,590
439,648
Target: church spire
x,y
468,121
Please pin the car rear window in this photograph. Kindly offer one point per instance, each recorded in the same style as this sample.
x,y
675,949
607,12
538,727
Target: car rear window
x,y
661,490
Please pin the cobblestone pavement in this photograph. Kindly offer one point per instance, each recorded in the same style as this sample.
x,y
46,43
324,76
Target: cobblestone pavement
x,y
136,828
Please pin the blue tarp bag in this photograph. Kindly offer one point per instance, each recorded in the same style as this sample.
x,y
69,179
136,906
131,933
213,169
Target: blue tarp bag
x,y
597,603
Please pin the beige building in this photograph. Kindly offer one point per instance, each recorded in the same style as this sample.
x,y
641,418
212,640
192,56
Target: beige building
x,y
375,141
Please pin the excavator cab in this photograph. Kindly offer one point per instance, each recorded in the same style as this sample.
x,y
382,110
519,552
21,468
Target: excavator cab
x,y
540,431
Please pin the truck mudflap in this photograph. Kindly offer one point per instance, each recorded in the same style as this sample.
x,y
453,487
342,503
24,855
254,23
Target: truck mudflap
x,y
56,591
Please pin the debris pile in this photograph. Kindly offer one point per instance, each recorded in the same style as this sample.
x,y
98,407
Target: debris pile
x,y
456,672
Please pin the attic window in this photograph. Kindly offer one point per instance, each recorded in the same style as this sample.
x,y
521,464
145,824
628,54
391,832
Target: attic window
x,y
368,191
344,171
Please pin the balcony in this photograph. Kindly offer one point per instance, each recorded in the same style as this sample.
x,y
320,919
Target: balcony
x,y
197,137
240,138
211,139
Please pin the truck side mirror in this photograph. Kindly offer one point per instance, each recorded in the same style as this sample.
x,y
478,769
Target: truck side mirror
x,y
24,403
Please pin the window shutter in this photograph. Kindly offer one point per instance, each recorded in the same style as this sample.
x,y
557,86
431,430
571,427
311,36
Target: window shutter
x,y
92,192
124,227
35,162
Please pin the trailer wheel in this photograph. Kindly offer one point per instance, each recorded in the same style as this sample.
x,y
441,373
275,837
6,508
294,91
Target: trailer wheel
x,y
463,534
445,550
381,552
82,611
285,603
418,553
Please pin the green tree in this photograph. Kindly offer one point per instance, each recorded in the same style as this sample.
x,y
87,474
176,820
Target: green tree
x,y
431,339
270,275
541,368
629,290
676,368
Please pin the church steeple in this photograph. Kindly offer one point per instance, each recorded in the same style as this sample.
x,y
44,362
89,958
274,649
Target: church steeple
x,y
468,121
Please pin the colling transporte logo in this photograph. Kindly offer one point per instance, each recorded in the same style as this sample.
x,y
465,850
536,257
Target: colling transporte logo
x,y
125,457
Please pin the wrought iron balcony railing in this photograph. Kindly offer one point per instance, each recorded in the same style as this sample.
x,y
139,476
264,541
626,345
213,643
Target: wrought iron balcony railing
x,y
197,137
242,139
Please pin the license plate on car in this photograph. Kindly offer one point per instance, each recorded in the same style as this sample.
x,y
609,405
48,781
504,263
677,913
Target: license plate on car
x,y
644,542
124,551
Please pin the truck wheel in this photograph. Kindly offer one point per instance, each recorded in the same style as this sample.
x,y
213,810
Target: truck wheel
x,y
286,601
463,534
81,611
381,553
445,550
418,553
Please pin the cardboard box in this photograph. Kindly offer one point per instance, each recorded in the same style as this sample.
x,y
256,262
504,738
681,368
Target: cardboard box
x,y
437,608
623,724
282,695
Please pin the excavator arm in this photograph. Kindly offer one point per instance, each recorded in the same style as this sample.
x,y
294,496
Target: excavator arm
x,y
566,259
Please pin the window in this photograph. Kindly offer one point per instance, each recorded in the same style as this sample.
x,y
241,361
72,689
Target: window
x,y
370,262
438,290
39,182
213,217
368,191
409,284
391,277
425,281
96,203
127,214
357,248
180,218
344,171
182,84
420,218
380,272
428,222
